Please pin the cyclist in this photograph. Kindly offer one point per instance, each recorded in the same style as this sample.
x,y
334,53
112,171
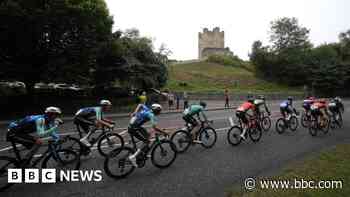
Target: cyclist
x,y
190,113
136,127
261,101
242,113
336,106
21,131
339,103
308,102
90,116
286,108
319,108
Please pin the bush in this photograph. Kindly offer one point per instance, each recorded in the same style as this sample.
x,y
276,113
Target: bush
x,y
226,60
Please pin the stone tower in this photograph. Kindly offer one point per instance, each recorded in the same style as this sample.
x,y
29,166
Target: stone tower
x,y
210,40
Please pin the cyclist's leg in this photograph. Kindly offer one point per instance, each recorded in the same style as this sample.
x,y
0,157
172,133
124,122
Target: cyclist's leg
x,y
283,112
141,134
83,123
26,140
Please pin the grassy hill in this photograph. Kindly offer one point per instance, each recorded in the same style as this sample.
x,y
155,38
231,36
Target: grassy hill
x,y
212,77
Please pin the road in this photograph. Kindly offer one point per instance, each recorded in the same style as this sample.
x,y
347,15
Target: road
x,y
198,172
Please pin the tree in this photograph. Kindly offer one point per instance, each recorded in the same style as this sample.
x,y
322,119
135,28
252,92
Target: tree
x,y
344,39
286,33
130,59
52,40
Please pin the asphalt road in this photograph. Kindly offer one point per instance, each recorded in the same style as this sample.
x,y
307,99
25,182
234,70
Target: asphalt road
x,y
198,172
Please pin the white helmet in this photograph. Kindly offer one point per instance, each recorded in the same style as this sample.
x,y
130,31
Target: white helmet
x,y
55,110
105,102
156,107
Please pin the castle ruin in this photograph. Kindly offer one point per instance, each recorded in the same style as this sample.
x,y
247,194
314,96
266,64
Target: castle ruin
x,y
212,43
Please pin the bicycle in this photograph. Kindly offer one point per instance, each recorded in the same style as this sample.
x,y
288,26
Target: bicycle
x,y
265,121
205,136
117,165
254,131
336,119
305,118
106,141
53,157
290,123
318,123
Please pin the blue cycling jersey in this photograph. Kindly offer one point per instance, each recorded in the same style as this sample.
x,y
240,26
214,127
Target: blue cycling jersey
x,y
285,104
34,123
90,112
145,115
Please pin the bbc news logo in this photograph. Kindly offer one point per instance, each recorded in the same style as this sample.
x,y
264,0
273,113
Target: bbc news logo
x,y
52,176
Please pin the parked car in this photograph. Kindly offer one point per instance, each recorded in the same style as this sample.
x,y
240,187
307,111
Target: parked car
x,y
17,84
62,86
42,86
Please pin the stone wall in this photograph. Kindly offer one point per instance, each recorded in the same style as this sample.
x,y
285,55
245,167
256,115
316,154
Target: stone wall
x,y
210,39
216,51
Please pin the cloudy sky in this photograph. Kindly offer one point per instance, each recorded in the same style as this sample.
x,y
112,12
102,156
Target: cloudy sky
x,y
177,23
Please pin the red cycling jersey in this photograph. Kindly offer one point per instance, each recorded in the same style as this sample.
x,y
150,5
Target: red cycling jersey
x,y
246,106
319,105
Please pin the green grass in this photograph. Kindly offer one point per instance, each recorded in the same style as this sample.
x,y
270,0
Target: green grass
x,y
212,77
329,165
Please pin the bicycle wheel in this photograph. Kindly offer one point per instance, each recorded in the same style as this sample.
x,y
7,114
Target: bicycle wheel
x,y
255,133
109,142
313,127
73,144
293,123
339,120
117,164
163,154
305,120
208,137
182,140
281,125
266,123
62,159
5,164
326,126
234,135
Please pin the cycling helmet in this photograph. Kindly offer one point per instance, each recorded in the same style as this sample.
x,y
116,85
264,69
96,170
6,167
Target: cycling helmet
x,y
262,97
105,102
250,98
290,98
203,104
53,110
337,98
156,108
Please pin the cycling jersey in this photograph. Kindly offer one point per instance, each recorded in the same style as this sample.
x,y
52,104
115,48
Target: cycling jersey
x,y
33,124
90,112
144,116
246,106
259,102
318,105
193,110
285,104
307,103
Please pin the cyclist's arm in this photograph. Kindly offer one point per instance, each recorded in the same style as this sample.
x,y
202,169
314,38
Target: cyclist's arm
x,y
267,109
138,108
155,127
99,118
204,116
108,121
40,128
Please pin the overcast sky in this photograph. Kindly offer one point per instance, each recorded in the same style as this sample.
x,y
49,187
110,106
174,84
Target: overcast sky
x,y
177,23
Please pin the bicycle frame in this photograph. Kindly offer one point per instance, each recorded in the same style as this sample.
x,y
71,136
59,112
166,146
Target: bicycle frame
x,y
52,148
151,145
